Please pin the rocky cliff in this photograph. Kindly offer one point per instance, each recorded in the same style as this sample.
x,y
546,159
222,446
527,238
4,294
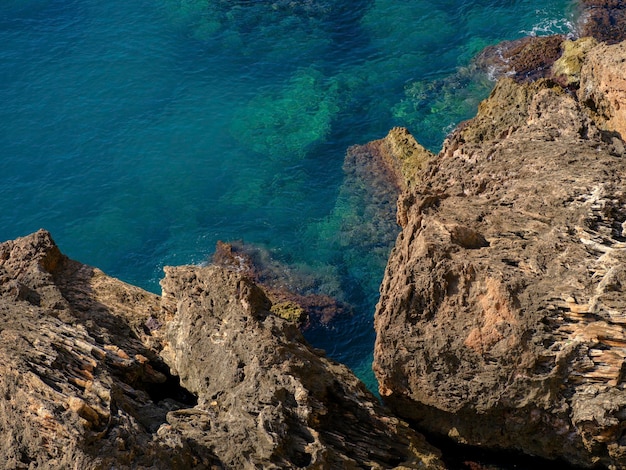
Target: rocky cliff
x,y
501,321
98,374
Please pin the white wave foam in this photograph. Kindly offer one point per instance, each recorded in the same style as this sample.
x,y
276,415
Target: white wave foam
x,y
547,26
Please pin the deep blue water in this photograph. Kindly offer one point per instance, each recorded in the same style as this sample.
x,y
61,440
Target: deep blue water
x,y
140,132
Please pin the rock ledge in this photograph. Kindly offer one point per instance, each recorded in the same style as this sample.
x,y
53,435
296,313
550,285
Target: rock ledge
x,y
502,316
95,373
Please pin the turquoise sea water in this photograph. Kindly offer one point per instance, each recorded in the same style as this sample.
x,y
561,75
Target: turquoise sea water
x,y
140,132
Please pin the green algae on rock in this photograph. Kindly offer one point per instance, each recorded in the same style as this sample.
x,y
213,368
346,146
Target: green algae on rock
x,y
364,215
250,29
566,70
297,293
290,311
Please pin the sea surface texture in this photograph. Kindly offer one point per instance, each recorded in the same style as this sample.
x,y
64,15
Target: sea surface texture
x,y
140,132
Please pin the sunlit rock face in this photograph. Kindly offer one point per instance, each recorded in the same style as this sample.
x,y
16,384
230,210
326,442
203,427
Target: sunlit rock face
x,y
265,398
95,373
603,86
501,321
81,381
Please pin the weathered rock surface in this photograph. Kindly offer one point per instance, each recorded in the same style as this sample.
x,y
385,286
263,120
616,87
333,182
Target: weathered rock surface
x,y
526,59
502,315
605,20
566,70
81,385
532,57
85,377
264,397
603,86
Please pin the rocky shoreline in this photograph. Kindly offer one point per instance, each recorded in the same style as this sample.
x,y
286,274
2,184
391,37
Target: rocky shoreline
x,y
501,323
95,374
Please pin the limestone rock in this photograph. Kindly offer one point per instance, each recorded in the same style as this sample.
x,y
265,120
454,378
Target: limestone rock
x,y
603,85
264,397
501,321
83,382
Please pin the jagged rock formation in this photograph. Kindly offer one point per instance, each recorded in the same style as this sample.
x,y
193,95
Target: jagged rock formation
x,y
81,384
501,321
86,379
272,402
603,86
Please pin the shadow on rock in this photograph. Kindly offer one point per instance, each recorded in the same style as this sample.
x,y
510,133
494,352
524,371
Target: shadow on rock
x,y
80,376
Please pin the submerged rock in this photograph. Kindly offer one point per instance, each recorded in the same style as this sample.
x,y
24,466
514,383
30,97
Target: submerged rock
x,y
501,321
292,291
391,162
603,86
525,59
95,373
362,226
283,124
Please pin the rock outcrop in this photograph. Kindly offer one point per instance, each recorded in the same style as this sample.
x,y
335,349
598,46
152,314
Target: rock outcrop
x,y
95,373
389,163
501,322
526,59
603,86
502,316
566,70
272,401
605,20
376,174
80,381
532,57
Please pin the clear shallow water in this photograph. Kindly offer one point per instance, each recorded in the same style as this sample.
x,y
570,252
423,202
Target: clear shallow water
x,y
141,132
